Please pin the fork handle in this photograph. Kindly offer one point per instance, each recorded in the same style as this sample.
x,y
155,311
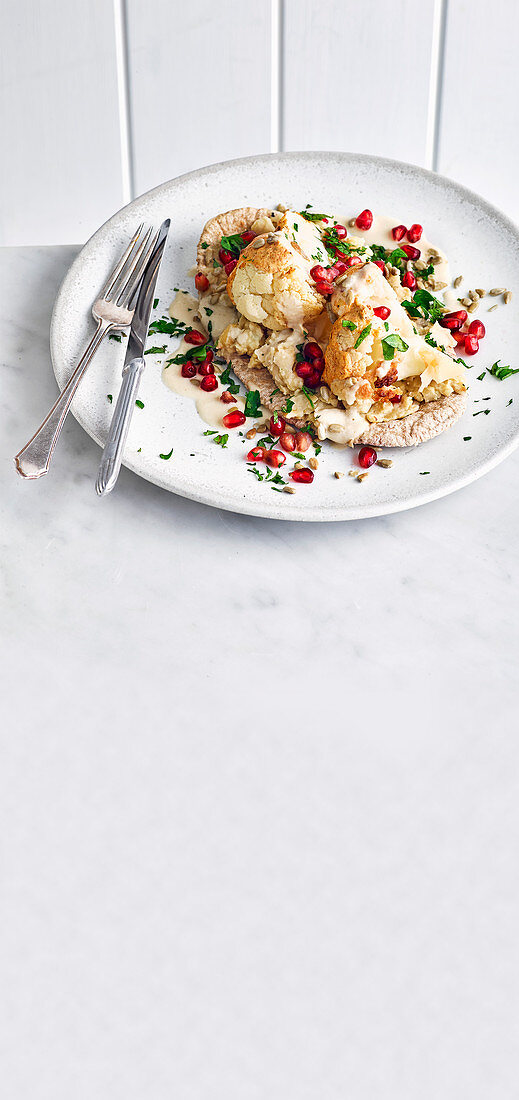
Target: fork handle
x,y
112,455
34,459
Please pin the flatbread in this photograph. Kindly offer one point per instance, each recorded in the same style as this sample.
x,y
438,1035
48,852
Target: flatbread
x,y
429,420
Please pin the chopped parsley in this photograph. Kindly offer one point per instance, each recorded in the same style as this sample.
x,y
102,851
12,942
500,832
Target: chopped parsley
x,y
156,351
424,472
204,244
226,380
481,377
423,304
393,343
252,404
349,324
466,438
365,332
165,457
115,336
174,327
509,402
288,406
501,372
308,395
311,217
109,397
484,411
140,404
208,311
233,244
155,303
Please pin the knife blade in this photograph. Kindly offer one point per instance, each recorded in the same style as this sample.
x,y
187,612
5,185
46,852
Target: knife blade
x,y
134,364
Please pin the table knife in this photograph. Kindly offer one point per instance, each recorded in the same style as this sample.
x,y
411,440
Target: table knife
x,y
134,364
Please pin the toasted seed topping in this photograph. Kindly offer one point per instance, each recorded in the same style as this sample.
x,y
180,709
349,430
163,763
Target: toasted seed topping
x,y
288,489
384,462
271,238
420,265
436,285
258,242
298,466
352,222
507,297
352,473
473,306
465,301
480,292
313,463
491,309
338,474
458,281
195,381
362,477
281,207
336,427
473,296
497,290
250,434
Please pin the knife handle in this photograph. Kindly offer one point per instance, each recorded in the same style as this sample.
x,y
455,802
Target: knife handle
x,y
111,457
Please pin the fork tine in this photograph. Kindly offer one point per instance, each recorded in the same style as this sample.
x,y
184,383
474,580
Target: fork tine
x,y
131,287
117,284
119,266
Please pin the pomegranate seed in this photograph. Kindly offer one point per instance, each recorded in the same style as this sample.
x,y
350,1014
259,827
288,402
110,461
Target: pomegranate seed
x,y
324,288
248,236
319,272
340,267
303,441
409,280
477,328
256,455
188,370
364,220
396,399
471,344
382,312
287,441
201,282
205,368
411,252
275,458
209,383
313,380
459,336
276,426
227,397
414,233
234,419
381,265
195,337
304,370
224,256
398,232
353,261
305,476
454,320
341,231
367,456
312,351
230,266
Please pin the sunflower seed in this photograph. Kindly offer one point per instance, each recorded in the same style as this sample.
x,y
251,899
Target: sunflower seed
x,y
362,477
313,463
298,466
250,434
480,292
338,474
420,265
473,296
336,427
288,489
473,306
281,206
195,381
491,309
258,242
352,473
385,463
271,238
507,297
465,301
352,222
457,282
496,291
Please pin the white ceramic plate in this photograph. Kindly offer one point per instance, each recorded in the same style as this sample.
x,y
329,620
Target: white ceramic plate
x,y
482,244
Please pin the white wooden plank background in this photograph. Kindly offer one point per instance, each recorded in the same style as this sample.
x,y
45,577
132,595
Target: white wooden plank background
x,y
103,99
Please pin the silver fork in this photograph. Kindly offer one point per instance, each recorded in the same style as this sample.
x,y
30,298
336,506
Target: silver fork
x,y
113,311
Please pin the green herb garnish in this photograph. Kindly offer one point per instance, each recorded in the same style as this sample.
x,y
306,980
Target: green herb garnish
x,y
155,303
156,351
393,343
312,217
365,332
501,372
115,336
484,411
308,395
109,397
165,457
226,380
252,404
140,404
350,325
174,327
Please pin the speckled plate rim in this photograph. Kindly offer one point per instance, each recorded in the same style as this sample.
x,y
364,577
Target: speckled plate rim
x,y
304,511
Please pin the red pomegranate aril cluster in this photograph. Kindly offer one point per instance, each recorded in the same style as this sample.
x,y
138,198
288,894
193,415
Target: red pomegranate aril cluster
x,y
364,220
477,328
194,337
471,344
381,265
454,321
257,454
382,312
414,233
209,383
248,236
367,456
398,232
303,477
201,282
224,256
188,370
470,337
276,425
288,441
409,280
312,368
275,458
230,266
234,419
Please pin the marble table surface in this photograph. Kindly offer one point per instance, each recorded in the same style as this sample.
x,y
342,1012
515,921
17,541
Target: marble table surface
x,y
259,782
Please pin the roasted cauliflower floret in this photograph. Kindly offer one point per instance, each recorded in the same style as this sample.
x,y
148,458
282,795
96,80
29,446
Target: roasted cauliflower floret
x,y
242,338
278,354
271,282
